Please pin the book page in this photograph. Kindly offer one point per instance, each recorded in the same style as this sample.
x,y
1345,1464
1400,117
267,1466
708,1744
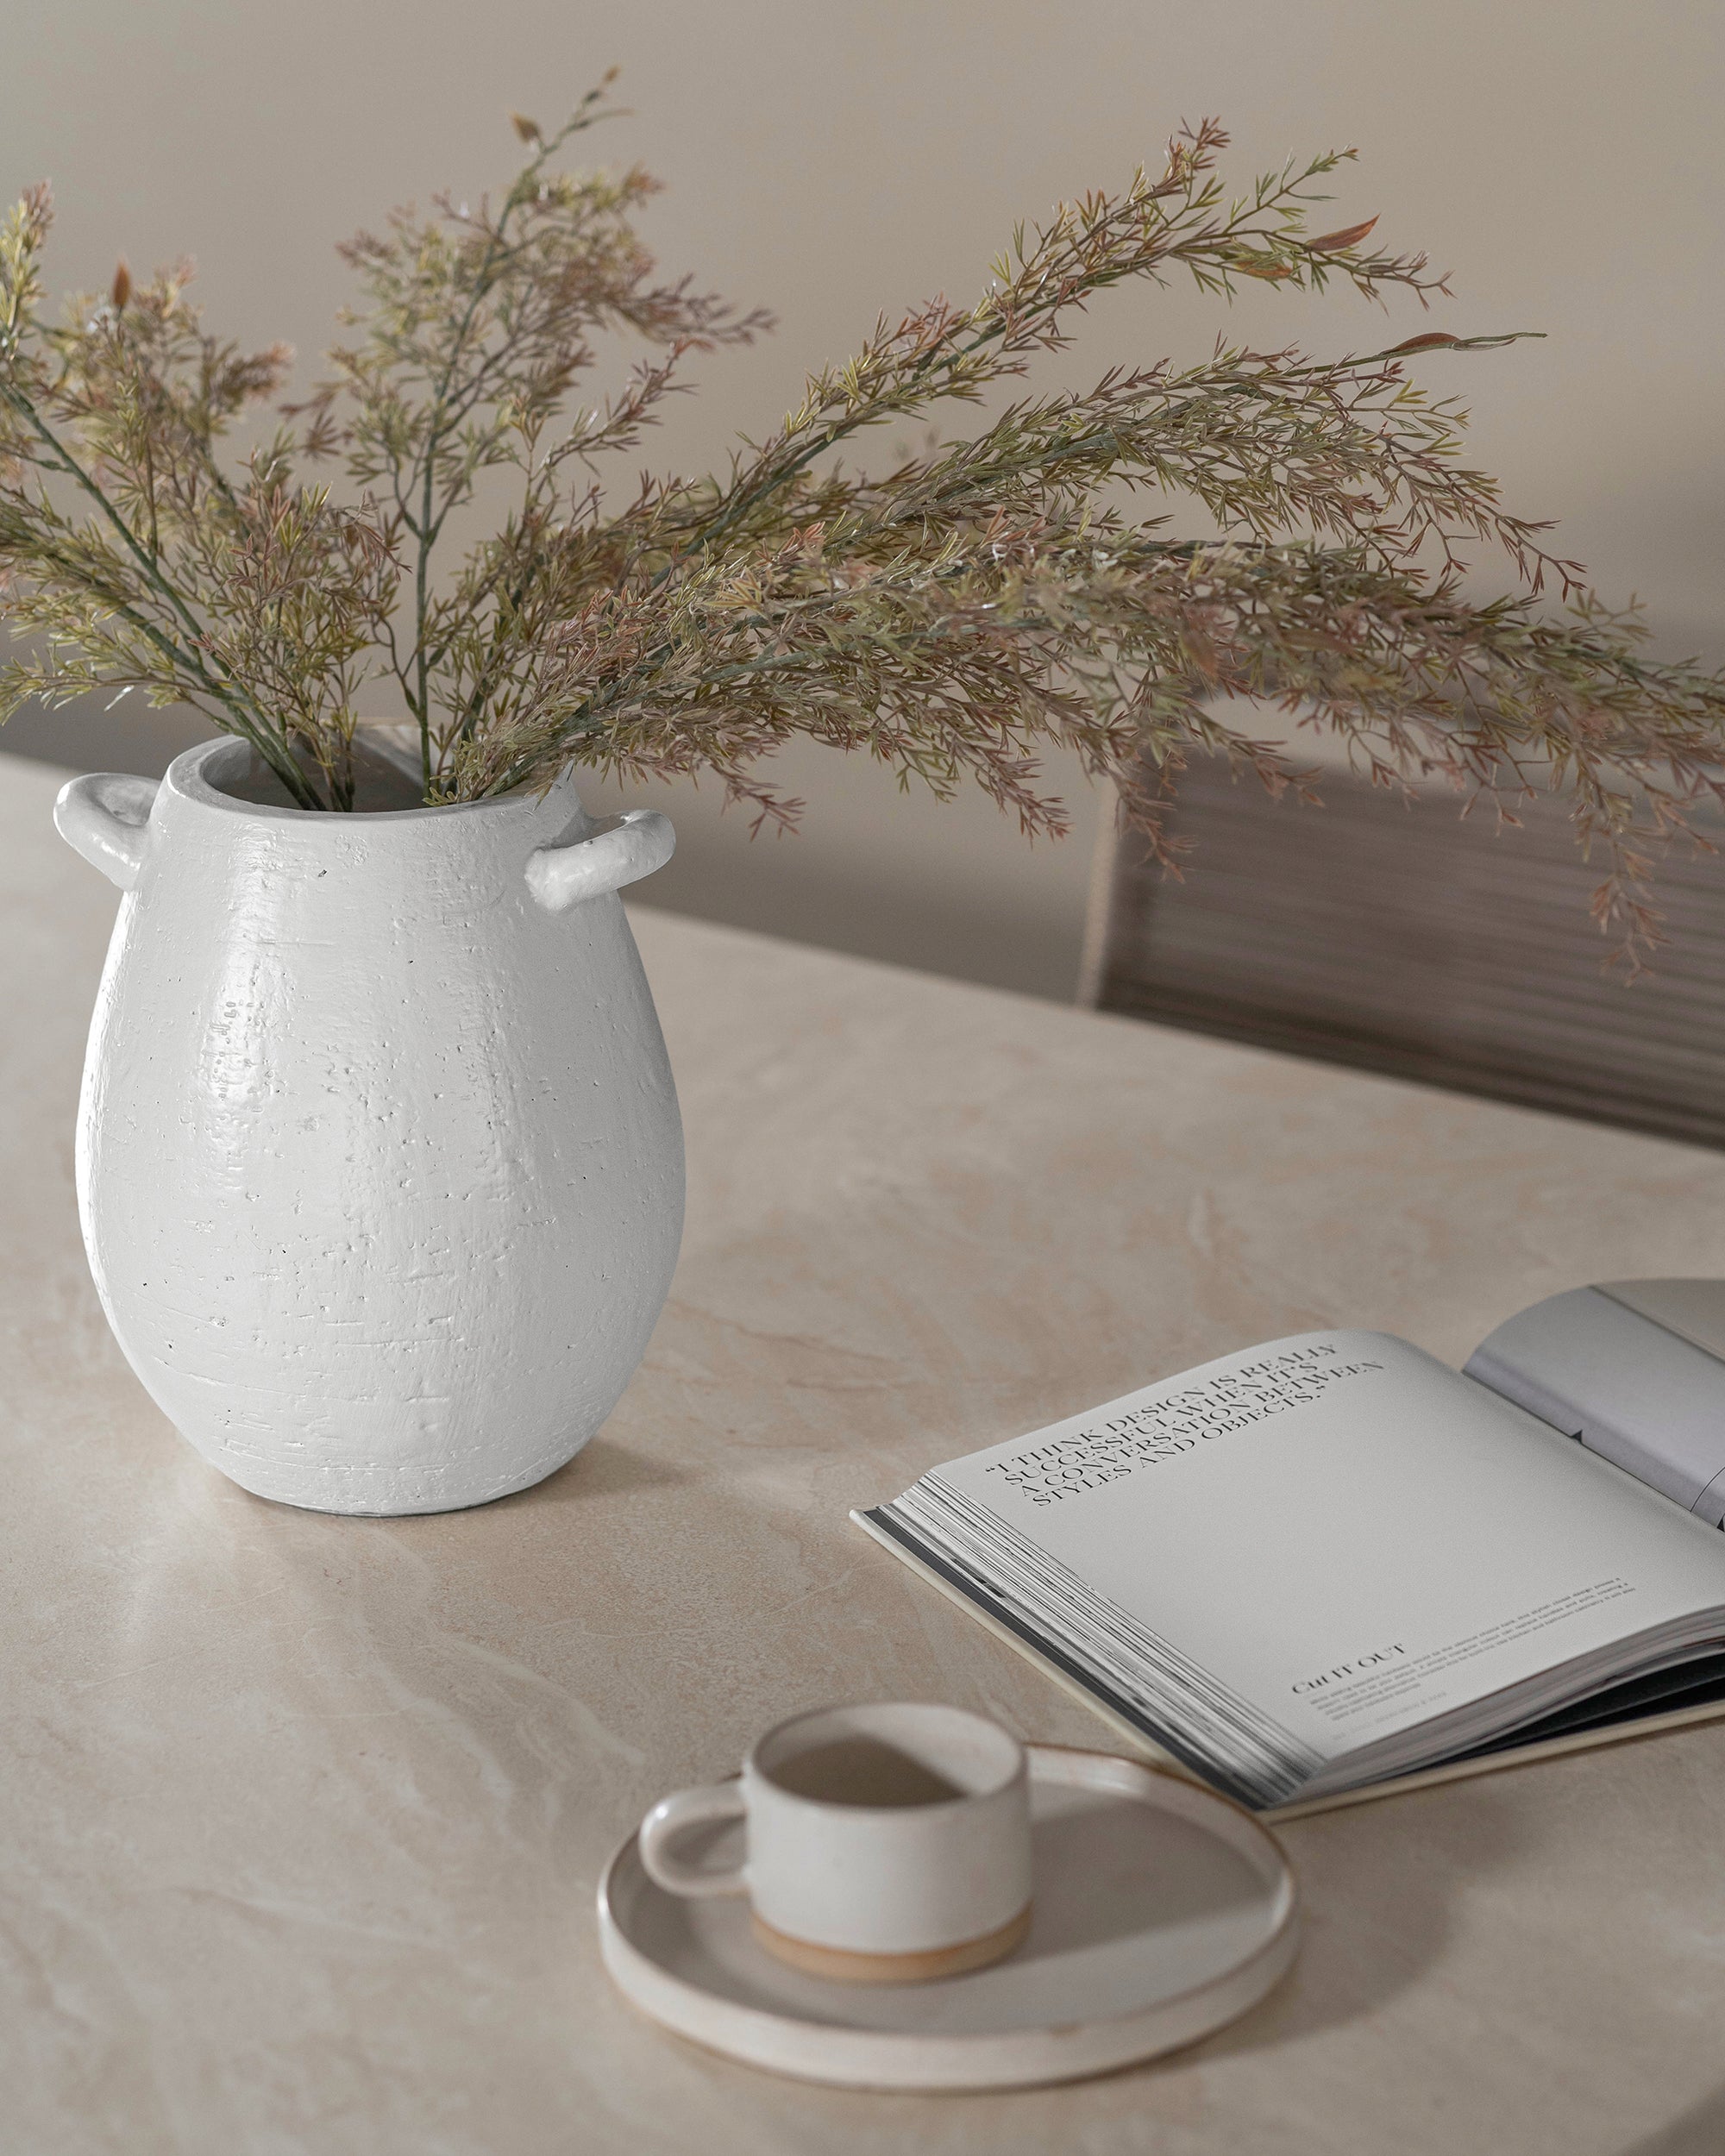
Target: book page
x,y
1318,1544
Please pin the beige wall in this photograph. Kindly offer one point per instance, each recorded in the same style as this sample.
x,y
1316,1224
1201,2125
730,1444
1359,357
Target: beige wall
x,y
831,161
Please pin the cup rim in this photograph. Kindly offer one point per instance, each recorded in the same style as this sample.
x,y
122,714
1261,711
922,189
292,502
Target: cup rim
x,y
758,1766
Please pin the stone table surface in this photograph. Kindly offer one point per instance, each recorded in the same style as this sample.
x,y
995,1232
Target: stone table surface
x,y
301,1817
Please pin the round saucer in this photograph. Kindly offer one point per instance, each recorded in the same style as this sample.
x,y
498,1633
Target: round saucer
x,y
1162,1912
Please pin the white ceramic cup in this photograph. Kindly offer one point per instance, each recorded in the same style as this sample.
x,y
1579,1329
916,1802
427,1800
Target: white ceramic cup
x,y
885,1845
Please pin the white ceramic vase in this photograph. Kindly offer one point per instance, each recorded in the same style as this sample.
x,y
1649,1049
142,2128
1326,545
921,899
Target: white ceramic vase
x,y
379,1158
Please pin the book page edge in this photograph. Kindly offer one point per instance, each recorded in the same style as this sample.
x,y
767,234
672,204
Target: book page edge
x,y
1140,1743
1427,1778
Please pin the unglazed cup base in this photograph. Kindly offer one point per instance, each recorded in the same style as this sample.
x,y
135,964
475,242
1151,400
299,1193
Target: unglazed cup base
x,y
843,1966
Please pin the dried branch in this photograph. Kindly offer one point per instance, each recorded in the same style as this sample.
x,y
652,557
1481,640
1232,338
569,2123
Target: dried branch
x,y
957,617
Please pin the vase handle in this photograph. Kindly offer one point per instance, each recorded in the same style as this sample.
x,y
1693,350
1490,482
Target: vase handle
x,y
630,846
106,817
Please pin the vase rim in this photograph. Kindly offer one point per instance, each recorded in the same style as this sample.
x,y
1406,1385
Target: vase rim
x,y
186,776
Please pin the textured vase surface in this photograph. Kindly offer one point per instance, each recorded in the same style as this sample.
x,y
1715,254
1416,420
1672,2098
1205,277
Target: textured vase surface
x,y
378,1157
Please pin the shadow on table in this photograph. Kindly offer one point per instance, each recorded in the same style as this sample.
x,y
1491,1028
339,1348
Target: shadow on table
x,y
1378,1885
602,1467
1699,2132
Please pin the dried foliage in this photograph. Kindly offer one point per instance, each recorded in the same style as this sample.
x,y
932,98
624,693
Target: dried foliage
x,y
953,616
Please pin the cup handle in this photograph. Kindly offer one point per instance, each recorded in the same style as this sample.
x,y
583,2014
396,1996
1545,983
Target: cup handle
x,y
668,1818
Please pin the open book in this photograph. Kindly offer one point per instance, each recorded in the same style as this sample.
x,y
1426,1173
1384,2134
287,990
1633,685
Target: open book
x,y
1331,1563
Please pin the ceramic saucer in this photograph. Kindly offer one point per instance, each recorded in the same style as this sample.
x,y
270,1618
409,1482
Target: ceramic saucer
x,y
1162,1912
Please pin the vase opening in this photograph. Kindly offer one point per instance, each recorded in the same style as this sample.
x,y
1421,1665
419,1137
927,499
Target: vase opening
x,y
384,783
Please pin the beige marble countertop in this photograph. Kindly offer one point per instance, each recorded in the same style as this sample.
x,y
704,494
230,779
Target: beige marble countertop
x,y
301,1817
